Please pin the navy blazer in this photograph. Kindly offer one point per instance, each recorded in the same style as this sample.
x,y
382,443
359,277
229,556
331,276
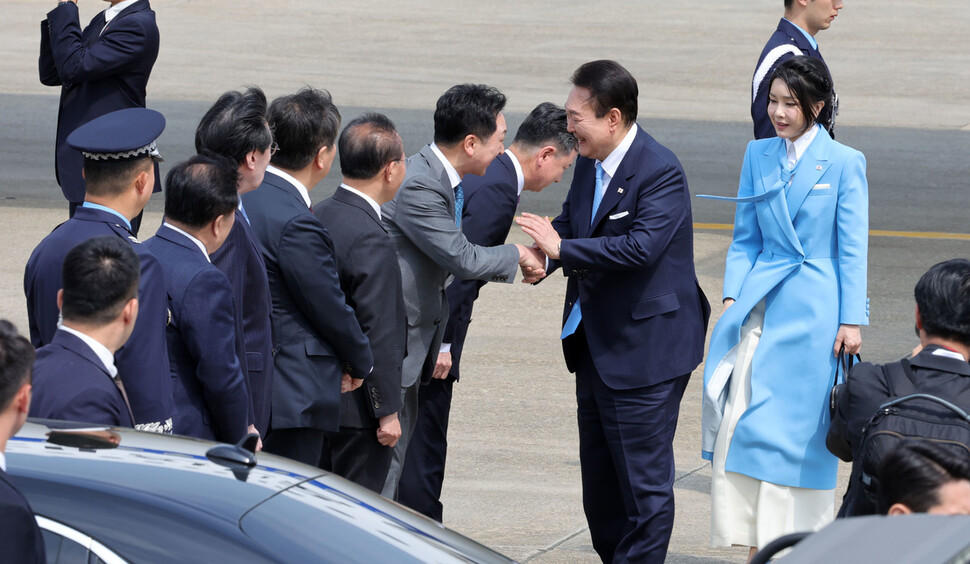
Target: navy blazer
x,y
143,361
98,72
209,387
315,330
786,42
71,383
240,260
370,278
644,314
20,536
486,218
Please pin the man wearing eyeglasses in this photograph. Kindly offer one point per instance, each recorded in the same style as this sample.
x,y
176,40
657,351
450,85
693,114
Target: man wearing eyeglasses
x,y
235,127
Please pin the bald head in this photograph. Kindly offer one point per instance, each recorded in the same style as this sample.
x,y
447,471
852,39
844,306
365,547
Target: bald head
x,y
367,145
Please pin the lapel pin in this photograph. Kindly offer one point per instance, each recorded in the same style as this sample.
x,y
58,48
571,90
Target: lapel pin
x,y
619,190
818,167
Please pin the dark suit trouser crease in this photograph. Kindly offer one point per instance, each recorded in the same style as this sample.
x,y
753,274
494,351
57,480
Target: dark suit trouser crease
x,y
357,455
424,467
300,444
627,460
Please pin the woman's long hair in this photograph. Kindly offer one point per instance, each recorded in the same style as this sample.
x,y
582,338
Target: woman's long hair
x,y
809,81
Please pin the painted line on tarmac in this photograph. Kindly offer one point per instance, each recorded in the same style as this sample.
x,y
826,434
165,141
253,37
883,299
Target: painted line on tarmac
x,y
872,233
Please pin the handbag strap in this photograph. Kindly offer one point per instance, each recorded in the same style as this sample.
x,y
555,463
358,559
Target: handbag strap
x,y
844,364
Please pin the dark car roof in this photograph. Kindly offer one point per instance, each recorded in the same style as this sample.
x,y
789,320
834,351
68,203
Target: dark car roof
x,y
153,497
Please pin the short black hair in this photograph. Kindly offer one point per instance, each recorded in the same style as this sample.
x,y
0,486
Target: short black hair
x,y
467,109
99,276
546,125
109,178
943,298
367,144
16,360
788,3
809,82
302,123
201,189
914,472
235,125
610,86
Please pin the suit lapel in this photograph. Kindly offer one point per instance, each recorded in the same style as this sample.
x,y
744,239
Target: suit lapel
x,y
284,185
770,169
78,347
809,169
620,181
585,182
351,199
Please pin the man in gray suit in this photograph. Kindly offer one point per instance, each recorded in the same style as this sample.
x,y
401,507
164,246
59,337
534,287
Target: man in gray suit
x,y
424,221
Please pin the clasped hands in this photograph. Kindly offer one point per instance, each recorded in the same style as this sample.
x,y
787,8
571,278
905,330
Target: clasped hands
x,y
547,243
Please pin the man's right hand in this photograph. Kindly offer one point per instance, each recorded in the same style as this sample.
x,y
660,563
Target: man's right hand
x,y
389,431
349,384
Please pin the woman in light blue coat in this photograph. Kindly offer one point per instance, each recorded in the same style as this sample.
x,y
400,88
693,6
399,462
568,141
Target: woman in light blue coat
x,y
794,294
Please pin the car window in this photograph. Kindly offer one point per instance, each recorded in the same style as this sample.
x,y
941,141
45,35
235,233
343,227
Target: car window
x,y
65,545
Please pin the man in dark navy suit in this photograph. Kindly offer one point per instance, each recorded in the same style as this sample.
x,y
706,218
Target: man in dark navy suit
x,y
795,36
209,387
321,350
635,317
75,378
101,69
20,537
236,128
119,153
539,155
372,163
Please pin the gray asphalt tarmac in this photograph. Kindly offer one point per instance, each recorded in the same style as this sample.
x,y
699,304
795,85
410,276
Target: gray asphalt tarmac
x,y
513,473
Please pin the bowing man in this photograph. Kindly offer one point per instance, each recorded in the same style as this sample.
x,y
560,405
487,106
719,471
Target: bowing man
x,y
119,152
75,378
20,537
210,390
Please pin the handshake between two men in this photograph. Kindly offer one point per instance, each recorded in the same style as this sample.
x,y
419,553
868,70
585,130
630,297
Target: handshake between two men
x,y
532,260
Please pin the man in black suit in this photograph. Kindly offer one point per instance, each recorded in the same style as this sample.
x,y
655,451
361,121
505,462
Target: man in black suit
x,y
20,537
321,351
101,69
236,128
539,155
372,162
75,378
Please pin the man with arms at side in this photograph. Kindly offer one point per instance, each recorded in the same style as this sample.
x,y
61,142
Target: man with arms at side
x,y
321,351
101,69
540,154
424,221
235,127
20,536
75,378
635,317
372,162
795,36
210,389
119,153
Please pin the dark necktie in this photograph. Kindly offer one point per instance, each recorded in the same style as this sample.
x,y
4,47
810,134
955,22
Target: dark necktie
x,y
124,395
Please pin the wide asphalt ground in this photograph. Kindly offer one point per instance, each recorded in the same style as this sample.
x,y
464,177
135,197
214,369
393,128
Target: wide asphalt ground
x,y
513,475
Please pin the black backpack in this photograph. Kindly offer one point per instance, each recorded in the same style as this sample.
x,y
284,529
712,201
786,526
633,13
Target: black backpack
x,y
908,415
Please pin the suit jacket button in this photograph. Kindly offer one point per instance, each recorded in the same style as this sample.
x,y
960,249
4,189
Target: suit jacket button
x,y
437,321
377,405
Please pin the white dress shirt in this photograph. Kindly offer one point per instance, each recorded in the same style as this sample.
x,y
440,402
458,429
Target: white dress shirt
x,y
453,175
113,11
200,244
106,357
519,177
797,147
612,162
296,183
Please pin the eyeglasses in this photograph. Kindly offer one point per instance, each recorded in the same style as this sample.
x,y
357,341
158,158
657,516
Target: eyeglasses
x,y
273,148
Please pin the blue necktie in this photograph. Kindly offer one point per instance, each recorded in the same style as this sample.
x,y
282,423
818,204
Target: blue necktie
x,y
575,315
459,203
